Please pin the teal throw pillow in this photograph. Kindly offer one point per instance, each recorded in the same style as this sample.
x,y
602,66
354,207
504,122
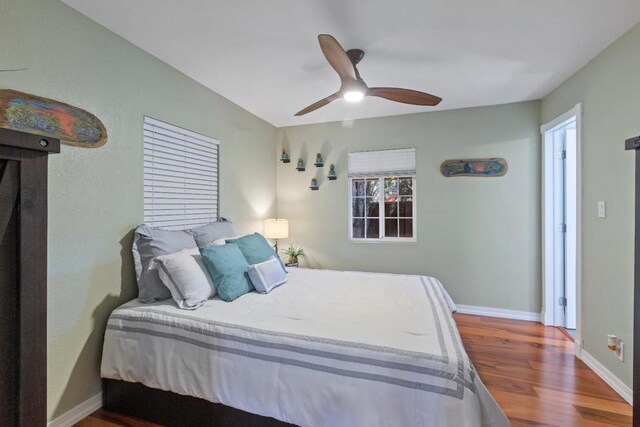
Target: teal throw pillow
x,y
228,268
255,248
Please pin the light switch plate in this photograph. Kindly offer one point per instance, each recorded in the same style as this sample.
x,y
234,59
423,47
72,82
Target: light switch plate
x,y
602,209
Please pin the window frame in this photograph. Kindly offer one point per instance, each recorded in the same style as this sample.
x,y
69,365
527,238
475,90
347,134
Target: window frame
x,y
382,216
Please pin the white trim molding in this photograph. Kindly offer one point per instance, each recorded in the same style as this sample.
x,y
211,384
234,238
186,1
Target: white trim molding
x,y
575,111
616,384
578,346
499,312
80,412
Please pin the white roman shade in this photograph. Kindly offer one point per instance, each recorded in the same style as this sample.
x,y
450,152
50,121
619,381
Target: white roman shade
x,y
180,177
400,162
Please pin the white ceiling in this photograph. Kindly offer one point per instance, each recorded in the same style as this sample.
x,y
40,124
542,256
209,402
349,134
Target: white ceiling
x,y
264,55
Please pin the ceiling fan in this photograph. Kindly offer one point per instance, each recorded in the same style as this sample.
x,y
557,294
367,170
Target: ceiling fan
x,y
353,88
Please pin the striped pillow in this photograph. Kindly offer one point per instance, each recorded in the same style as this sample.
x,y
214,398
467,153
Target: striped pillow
x,y
267,275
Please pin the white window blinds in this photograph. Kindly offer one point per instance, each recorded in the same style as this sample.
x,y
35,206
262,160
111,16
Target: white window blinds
x,y
180,177
400,162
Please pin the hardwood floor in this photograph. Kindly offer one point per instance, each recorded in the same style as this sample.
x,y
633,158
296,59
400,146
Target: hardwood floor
x,y
532,373
529,369
102,418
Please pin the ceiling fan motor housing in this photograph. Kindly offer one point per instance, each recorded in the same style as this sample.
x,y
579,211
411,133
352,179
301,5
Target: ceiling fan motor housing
x,y
355,55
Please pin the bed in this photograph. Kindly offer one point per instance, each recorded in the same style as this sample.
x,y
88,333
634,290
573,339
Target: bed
x,y
328,348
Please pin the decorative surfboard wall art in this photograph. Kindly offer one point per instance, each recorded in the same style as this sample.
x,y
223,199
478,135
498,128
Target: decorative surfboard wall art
x,y
41,116
493,167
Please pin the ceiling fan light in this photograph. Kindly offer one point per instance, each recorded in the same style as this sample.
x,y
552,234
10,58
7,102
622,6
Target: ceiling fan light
x,y
354,95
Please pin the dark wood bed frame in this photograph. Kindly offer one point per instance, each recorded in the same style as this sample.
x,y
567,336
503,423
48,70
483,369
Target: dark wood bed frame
x,y
23,277
171,409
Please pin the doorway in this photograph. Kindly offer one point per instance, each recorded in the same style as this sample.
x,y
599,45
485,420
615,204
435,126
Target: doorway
x,y
561,219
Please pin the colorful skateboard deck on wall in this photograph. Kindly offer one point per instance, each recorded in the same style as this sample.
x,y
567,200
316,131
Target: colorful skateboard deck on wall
x,y
41,116
474,167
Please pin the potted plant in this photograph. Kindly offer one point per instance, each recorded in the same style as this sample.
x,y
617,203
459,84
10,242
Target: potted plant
x,y
294,252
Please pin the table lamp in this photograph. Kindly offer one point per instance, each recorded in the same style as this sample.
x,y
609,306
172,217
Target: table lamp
x,y
276,228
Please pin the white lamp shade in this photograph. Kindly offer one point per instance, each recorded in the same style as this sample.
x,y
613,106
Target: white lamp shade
x,y
276,228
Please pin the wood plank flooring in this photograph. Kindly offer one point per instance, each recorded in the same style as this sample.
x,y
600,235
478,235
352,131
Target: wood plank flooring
x,y
102,418
529,369
532,373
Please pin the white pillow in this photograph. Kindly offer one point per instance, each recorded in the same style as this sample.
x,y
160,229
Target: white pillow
x,y
268,275
223,241
186,276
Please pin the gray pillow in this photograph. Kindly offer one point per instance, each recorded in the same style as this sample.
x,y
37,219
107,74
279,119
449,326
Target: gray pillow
x,y
149,243
207,234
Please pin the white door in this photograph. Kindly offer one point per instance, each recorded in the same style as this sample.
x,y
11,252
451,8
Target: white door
x,y
571,215
560,213
559,225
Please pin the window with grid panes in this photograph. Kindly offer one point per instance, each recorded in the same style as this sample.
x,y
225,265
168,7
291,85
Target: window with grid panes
x,y
383,204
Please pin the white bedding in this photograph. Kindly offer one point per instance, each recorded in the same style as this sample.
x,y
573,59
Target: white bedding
x,y
327,349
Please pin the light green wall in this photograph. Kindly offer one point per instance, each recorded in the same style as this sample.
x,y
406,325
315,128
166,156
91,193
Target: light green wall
x,y
609,88
479,236
95,195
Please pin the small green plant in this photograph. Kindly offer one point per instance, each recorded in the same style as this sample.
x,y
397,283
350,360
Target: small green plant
x,y
294,252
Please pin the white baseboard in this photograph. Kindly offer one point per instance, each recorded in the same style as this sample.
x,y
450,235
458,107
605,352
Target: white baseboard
x,y
499,312
78,413
621,388
577,347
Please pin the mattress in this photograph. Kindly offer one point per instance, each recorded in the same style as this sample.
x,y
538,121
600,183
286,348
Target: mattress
x,y
328,348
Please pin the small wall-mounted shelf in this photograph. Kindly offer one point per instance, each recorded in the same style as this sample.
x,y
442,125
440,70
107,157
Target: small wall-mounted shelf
x,y
332,173
319,162
314,184
300,165
285,156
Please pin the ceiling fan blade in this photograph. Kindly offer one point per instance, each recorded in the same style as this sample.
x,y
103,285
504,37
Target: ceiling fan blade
x,y
318,104
337,57
406,96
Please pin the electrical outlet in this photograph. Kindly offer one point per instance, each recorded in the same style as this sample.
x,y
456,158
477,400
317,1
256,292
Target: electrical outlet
x,y
620,351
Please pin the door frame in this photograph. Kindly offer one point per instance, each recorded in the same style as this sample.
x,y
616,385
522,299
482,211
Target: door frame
x,y
549,292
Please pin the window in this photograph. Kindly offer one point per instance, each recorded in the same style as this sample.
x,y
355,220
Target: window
x,y
180,177
382,195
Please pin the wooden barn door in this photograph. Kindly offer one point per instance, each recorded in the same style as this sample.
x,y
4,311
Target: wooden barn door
x,y
634,145
8,289
23,278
